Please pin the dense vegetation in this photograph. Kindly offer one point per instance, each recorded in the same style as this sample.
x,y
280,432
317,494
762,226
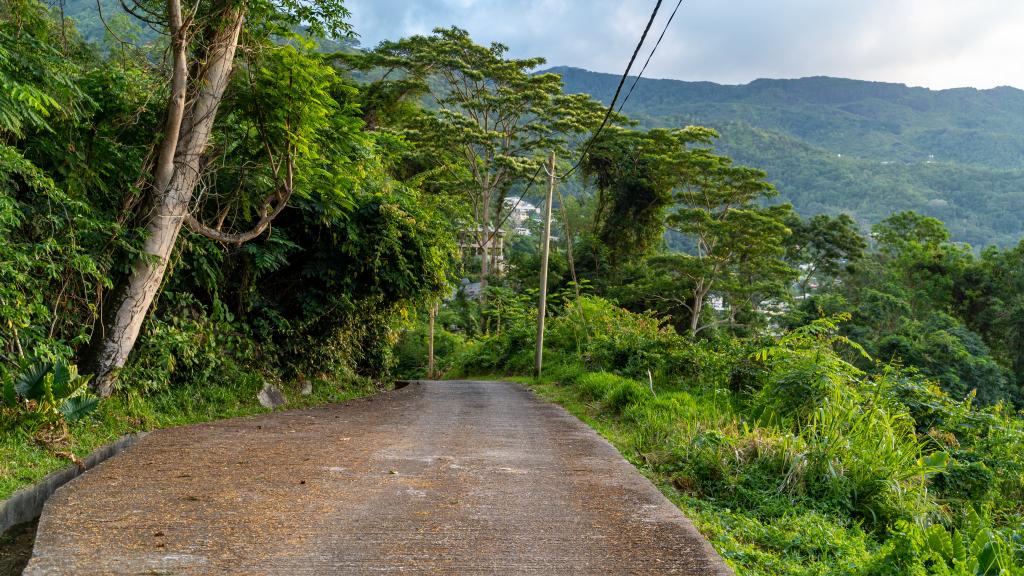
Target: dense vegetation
x,y
864,148
228,200
303,248
871,426
821,402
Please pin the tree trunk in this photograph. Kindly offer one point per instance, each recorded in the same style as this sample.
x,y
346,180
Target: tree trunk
x,y
698,306
430,344
186,134
484,256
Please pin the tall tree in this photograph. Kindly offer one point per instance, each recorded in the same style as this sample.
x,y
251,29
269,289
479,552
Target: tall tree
x,y
495,120
738,243
821,246
991,301
635,172
203,40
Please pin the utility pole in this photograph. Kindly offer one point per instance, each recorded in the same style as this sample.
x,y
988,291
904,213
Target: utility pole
x,y
430,344
545,248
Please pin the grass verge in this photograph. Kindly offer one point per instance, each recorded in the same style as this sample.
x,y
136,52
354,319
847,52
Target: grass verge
x,y
24,461
755,540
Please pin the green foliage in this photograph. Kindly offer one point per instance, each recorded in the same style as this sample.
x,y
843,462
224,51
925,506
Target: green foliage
x,y
322,295
596,385
868,430
975,549
791,457
606,337
992,303
492,119
411,350
47,394
510,344
823,246
37,82
927,303
635,173
289,105
805,372
833,145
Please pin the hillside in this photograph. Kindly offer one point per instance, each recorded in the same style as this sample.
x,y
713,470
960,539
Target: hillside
x,y
866,148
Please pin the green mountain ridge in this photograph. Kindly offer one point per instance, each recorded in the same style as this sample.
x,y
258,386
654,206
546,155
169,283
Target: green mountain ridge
x,y
866,148
829,144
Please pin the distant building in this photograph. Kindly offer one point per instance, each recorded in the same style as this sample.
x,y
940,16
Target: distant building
x,y
470,244
521,211
718,303
472,290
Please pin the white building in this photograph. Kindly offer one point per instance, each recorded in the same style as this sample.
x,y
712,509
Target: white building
x,y
521,212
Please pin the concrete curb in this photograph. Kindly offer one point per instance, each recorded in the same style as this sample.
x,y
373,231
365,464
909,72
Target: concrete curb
x,y
27,504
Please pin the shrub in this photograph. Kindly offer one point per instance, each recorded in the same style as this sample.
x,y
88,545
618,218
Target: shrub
x,y
976,549
625,394
596,385
44,397
411,350
609,338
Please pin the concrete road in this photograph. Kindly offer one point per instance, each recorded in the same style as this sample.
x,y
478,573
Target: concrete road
x,y
435,478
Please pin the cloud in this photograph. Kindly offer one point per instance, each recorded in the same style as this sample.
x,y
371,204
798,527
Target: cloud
x,y
934,43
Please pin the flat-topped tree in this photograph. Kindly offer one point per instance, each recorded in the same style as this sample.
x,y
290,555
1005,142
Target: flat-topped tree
x,y
495,120
650,180
738,243
291,110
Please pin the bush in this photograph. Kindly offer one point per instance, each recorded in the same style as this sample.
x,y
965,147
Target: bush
x,y
625,394
411,350
596,385
612,339
510,347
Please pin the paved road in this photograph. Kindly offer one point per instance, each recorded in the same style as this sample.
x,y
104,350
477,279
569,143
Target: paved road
x,y
435,478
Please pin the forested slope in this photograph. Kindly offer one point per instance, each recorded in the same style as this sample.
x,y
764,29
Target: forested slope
x,y
865,148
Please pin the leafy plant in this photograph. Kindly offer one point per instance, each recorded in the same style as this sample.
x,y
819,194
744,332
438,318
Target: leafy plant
x,y
974,549
49,393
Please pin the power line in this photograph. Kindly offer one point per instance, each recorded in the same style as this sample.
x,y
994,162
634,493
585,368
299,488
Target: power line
x,y
518,201
611,106
618,90
651,55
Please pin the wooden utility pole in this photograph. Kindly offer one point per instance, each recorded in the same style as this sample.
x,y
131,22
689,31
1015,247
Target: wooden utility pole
x,y
545,248
430,344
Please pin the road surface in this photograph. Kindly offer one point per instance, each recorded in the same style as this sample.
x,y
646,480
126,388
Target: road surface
x,y
435,478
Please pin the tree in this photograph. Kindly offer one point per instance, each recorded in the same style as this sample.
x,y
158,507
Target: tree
x,y
822,245
921,300
49,268
203,40
494,122
738,244
907,230
916,251
991,300
635,173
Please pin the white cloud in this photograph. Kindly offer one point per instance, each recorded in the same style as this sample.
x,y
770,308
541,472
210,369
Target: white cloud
x,y
935,43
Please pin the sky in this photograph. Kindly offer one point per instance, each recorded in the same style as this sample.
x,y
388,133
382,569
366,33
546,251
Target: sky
x,y
932,43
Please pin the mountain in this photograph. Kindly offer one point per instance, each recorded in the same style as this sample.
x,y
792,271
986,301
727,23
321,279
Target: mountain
x,y
865,148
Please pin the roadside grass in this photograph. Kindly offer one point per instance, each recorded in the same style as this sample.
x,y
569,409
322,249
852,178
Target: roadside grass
x,y
764,532
24,460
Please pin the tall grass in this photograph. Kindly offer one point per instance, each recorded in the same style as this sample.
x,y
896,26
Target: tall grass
x,y
788,457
